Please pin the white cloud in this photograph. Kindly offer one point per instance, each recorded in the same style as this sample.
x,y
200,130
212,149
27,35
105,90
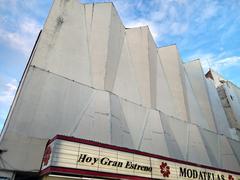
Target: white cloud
x,y
218,63
178,28
210,10
23,37
7,95
2,19
139,23
19,26
225,63
8,3
15,40
30,26
7,92
162,17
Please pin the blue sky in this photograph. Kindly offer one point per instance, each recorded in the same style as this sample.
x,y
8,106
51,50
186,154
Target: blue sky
x,y
205,29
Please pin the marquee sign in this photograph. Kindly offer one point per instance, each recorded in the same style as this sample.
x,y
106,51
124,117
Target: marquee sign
x,y
78,156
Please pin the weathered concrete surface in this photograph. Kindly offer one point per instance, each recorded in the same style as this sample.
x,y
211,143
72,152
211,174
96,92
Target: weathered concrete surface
x,y
199,86
92,78
172,66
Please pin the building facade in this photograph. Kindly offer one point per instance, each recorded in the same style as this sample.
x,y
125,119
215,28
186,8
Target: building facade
x,y
110,87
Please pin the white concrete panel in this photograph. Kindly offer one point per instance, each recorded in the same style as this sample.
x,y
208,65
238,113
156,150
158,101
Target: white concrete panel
x,y
180,133
211,141
236,148
23,153
233,132
136,118
236,90
77,42
47,105
233,100
217,108
125,84
198,83
161,97
94,123
98,42
115,43
83,56
197,151
176,133
120,134
229,160
88,10
194,110
172,66
153,61
164,98
63,46
137,42
153,138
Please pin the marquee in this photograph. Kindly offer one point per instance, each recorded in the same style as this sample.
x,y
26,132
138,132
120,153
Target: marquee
x,y
82,157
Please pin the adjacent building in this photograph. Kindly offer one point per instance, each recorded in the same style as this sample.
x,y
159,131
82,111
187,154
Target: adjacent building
x,y
98,100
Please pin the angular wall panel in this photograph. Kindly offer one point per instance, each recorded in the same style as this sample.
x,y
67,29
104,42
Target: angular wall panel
x,y
218,111
94,122
176,134
161,97
236,90
172,67
236,148
48,105
228,158
197,152
153,69
198,83
63,46
195,113
23,153
98,43
233,101
115,44
212,144
120,133
92,78
89,10
137,42
125,83
153,138
164,98
136,120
